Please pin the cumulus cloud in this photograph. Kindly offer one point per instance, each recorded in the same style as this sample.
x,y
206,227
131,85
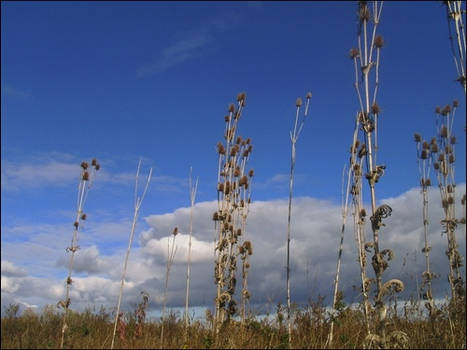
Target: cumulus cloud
x,y
315,235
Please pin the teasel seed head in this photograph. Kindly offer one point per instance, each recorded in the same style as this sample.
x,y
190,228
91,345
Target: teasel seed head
x,y
220,187
434,148
441,157
354,52
85,176
231,108
426,145
448,149
97,167
251,173
175,231
248,247
298,102
375,109
215,216
433,141
84,165
417,137
451,158
220,148
444,131
236,172
446,110
379,42
424,154
239,140
243,181
438,110
94,162
453,140
83,217
362,213
455,103
364,12
250,148
241,98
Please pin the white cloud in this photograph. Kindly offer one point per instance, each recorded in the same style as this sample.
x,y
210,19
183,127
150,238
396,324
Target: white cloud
x,y
315,236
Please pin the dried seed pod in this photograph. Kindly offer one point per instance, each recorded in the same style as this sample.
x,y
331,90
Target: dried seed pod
x,y
83,217
455,103
428,182
436,166
215,216
69,280
463,200
220,187
438,110
434,148
444,203
424,154
175,231
448,149
227,187
227,118
417,137
362,213
364,12
379,42
426,145
236,172
441,157
298,102
76,224
239,140
231,108
450,200
449,188
375,109
453,140
451,158
243,181
354,52
220,148
251,173
85,176
98,166
446,110
308,95
94,162
84,165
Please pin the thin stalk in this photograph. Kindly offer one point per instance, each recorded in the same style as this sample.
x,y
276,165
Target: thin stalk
x,y
137,205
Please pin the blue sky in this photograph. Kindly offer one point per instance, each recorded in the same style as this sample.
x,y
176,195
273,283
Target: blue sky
x,y
124,80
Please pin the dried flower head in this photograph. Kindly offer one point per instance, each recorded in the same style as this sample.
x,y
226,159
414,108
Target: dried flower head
x,y
379,42
220,148
308,95
363,12
84,165
241,98
424,154
455,103
83,217
426,145
175,231
375,109
434,148
227,118
446,110
94,162
354,52
463,200
451,158
76,224
85,176
98,166
251,173
298,102
231,108
453,140
436,166
417,137
444,131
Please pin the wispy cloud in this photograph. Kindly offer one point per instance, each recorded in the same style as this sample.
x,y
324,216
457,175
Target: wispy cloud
x,y
190,45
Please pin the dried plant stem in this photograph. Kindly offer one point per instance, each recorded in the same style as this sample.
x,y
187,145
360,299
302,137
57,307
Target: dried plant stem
x,y
86,180
193,190
294,134
456,16
171,251
137,205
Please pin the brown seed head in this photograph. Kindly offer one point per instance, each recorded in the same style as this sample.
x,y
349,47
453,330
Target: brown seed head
x,y
94,162
76,224
444,132
227,118
375,109
364,12
98,166
353,53
434,148
220,148
453,140
446,110
298,102
417,137
251,173
231,108
424,154
436,166
426,145
241,98
308,95
85,176
379,42
441,157
83,217
248,140
455,103
84,165
175,231
438,110
451,159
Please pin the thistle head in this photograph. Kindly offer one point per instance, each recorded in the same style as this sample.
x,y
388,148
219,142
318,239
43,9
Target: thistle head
x,y
379,42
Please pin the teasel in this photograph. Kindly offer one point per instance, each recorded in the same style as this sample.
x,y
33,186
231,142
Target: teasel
x,y
86,179
424,166
456,23
234,191
366,67
445,170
